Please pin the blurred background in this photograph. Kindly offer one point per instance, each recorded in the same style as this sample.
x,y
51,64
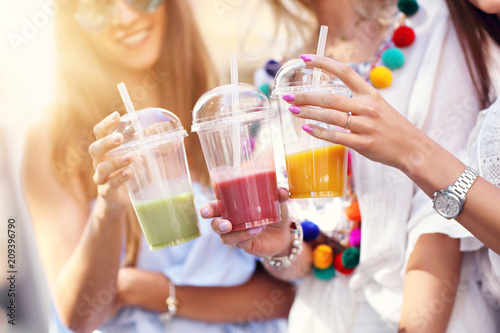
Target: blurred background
x,y
26,87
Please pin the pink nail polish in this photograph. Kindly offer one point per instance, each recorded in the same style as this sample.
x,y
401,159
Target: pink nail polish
x,y
307,128
224,226
307,57
110,118
289,97
126,158
116,138
205,213
294,109
254,231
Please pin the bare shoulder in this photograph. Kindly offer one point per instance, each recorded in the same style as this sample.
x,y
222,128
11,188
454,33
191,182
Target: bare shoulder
x,y
50,204
37,175
57,217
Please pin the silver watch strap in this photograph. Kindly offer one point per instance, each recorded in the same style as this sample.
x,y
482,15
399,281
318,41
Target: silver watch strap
x,y
464,182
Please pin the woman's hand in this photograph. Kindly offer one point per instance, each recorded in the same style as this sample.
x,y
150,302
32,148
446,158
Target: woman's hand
x,y
110,173
366,122
271,240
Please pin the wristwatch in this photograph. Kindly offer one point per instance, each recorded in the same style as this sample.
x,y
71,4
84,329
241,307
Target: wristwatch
x,y
449,202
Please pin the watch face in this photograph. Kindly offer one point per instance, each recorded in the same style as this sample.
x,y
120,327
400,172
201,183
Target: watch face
x,y
447,205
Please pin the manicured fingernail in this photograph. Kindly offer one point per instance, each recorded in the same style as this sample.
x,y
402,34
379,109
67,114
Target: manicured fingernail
x,y
117,138
307,57
126,158
205,212
289,97
112,117
294,109
125,173
307,128
255,231
224,226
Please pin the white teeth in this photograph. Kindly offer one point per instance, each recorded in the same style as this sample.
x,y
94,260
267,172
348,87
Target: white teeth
x,y
135,38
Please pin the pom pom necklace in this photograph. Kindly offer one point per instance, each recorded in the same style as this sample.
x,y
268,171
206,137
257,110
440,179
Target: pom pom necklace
x,y
389,56
340,252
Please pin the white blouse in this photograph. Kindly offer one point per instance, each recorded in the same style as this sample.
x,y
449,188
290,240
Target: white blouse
x,y
433,90
485,157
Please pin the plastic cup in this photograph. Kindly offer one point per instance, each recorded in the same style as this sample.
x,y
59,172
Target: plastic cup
x,y
315,168
246,189
160,187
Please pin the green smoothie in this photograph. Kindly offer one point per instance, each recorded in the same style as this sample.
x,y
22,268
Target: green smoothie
x,y
168,221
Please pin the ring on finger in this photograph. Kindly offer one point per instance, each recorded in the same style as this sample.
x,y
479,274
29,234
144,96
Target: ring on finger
x,y
349,114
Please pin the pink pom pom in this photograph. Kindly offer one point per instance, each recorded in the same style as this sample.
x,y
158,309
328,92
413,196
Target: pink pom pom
x,y
349,168
355,237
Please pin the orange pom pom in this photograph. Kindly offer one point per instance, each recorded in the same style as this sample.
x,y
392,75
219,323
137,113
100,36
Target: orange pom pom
x,y
381,77
322,256
352,212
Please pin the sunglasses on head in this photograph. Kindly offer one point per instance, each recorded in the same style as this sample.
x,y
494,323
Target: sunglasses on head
x,y
95,15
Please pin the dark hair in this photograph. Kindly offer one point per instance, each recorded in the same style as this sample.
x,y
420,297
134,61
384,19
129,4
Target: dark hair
x,y
475,29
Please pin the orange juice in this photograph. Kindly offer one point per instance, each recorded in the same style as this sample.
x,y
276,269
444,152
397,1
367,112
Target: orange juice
x,y
319,172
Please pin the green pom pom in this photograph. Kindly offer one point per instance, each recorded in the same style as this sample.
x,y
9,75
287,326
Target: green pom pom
x,y
393,58
324,274
408,7
265,89
350,257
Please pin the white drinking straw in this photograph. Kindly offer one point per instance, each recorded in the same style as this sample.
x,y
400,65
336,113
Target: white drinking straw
x,y
235,106
320,50
130,109
138,128
323,33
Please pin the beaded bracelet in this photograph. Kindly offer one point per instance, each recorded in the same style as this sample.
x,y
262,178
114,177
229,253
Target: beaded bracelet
x,y
286,261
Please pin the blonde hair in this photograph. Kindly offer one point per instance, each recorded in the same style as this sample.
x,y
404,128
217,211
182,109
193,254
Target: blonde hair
x,y
86,93
297,23
375,10
297,17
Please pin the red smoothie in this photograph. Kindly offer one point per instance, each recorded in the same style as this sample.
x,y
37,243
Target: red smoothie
x,y
249,201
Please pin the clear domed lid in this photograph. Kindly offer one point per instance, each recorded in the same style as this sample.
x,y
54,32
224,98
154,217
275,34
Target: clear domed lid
x,y
215,108
157,126
296,75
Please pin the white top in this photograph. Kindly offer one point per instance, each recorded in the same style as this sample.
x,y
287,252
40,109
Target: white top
x,y
495,262
433,90
203,262
485,158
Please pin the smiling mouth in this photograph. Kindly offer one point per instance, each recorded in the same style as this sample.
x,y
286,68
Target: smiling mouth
x,y
135,39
